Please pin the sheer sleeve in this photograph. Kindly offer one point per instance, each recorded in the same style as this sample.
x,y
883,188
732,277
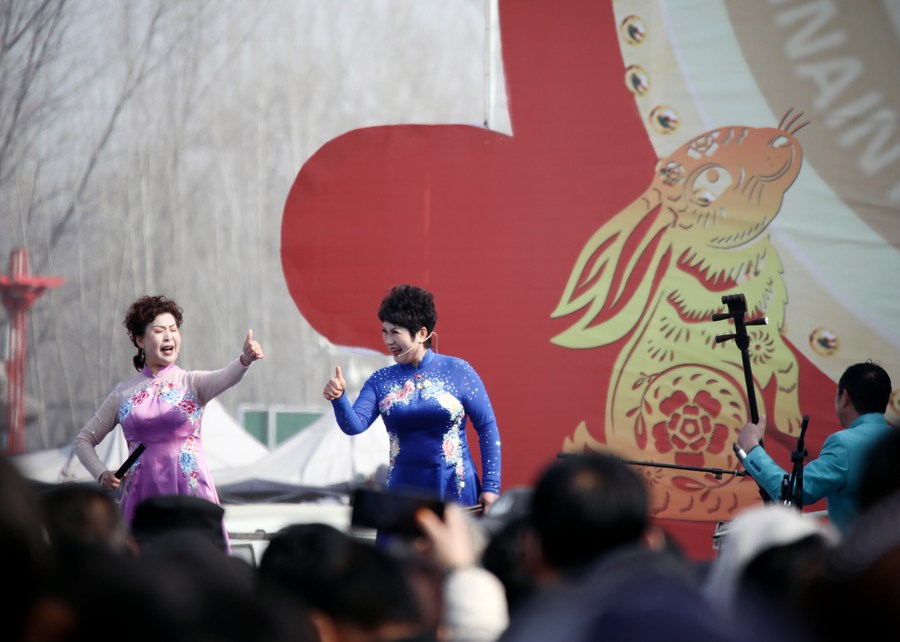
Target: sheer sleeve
x,y
209,384
100,425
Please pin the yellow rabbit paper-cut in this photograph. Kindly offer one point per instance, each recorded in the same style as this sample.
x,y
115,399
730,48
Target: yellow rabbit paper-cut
x,y
655,273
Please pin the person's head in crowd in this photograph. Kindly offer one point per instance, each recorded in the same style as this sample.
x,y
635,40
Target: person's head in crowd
x,y
649,607
187,548
24,555
108,592
583,507
178,584
213,596
630,593
79,515
863,388
183,532
859,577
774,585
158,516
426,579
778,573
352,590
505,557
507,527
768,556
881,476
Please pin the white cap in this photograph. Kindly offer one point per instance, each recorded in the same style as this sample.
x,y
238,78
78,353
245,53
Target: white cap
x,y
752,532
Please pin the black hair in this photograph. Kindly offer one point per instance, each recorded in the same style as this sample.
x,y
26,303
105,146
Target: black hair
x,y
411,308
81,514
585,506
141,313
868,385
348,579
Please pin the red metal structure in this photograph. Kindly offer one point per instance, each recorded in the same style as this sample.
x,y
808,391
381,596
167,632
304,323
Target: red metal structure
x,y
19,291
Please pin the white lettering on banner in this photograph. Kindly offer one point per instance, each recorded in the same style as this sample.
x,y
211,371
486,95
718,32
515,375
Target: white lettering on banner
x,y
865,122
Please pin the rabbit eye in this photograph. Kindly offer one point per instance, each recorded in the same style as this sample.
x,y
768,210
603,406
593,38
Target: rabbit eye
x,y
709,184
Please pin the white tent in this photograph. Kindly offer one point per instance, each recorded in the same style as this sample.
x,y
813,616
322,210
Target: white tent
x,y
319,455
225,442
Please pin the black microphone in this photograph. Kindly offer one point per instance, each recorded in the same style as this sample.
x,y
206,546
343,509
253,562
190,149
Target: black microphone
x,y
133,457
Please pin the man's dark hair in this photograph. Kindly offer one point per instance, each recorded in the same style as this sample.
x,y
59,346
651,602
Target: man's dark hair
x,y
587,505
868,385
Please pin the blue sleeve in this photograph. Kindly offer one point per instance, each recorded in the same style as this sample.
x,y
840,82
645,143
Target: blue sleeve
x,y
478,408
765,472
821,477
828,473
355,419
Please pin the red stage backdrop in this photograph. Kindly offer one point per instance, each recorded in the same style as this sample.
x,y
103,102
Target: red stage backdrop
x,y
577,263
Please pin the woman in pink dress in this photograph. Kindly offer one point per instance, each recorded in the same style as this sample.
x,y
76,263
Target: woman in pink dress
x,y
161,407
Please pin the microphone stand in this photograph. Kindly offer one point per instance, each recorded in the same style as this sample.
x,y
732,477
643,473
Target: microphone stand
x,y
792,487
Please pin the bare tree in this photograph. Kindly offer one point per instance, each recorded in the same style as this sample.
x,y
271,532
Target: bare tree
x,y
30,35
162,138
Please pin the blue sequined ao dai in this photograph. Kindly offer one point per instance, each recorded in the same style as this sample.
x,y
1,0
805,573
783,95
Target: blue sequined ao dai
x,y
425,409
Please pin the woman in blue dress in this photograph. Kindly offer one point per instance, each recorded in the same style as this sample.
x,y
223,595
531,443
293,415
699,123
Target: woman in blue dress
x,y
424,400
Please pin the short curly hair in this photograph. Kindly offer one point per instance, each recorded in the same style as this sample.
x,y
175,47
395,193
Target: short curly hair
x,y
141,313
411,308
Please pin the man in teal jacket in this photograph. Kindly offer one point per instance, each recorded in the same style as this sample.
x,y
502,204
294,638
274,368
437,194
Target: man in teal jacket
x,y
863,393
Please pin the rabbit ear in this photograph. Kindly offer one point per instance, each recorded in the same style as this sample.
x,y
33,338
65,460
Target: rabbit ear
x,y
606,267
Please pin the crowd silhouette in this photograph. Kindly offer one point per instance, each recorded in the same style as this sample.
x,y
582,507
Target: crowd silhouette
x,y
574,557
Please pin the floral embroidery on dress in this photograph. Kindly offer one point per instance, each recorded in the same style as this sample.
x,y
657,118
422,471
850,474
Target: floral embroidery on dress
x,y
184,400
442,392
181,399
168,392
452,452
451,446
136,399
191,408
452,405
187,462
396,395
393,452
